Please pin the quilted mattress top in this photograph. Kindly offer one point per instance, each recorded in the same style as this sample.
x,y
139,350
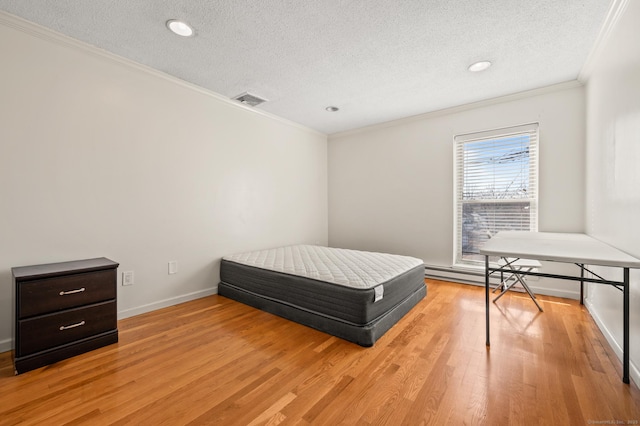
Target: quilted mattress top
x,y
350,268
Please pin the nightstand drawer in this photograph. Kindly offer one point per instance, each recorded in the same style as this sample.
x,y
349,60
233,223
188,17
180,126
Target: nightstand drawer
x,y
48,331
54,294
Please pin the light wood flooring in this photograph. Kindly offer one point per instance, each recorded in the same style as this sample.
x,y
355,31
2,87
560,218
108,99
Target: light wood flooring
x,y
216,361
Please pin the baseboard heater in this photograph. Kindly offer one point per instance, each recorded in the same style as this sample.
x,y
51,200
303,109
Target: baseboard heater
x,y
464,276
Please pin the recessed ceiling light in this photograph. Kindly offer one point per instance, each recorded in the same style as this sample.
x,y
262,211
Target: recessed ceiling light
x,y
181,28
332,108
479,66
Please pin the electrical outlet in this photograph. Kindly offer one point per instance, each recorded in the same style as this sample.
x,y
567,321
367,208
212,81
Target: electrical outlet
x,y
127,278
173,267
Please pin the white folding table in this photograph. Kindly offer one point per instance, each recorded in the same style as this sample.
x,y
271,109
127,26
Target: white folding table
x,y
579,249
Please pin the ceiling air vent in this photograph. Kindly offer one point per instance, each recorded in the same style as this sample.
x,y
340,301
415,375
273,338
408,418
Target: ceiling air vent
x,y
249,99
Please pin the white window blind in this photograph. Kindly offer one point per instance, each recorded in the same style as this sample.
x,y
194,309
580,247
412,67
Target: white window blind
x,y
496,186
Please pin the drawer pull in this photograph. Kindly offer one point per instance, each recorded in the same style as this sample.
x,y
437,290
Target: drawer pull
x,y
80,290
66,327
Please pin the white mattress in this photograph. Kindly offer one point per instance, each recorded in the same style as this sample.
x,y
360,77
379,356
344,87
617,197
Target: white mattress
x,y
349,268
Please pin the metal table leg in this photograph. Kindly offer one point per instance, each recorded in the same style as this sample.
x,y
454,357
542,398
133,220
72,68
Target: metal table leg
x,y
581,284
625,354
486,293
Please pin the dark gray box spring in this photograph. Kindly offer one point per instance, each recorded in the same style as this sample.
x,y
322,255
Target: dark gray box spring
x,y
341,311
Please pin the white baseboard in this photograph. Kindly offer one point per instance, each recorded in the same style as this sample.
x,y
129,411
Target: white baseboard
x,y
634,373
126,313
7,344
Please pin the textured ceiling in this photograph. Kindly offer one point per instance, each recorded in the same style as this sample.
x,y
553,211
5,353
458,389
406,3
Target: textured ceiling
x,y
377,60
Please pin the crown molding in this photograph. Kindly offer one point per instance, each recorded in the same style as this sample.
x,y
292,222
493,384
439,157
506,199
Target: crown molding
x,y
49,35
461,108
616,10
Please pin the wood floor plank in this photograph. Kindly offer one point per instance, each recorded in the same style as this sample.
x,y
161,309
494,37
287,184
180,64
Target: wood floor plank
x,y
216,361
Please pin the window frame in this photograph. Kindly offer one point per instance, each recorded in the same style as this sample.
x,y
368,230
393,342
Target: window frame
x,y
530,129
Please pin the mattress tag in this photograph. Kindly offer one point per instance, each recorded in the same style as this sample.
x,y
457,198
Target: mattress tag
x,y
379,293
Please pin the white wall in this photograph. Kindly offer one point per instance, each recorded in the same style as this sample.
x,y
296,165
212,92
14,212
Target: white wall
x,y
391,186
613,171
100,157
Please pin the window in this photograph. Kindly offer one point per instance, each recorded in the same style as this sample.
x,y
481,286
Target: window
x,y
496,186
